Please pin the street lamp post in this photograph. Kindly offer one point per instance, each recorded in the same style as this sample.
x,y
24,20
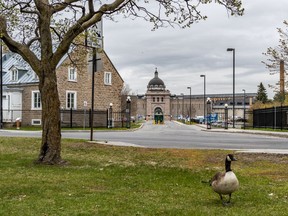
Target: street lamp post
x,y
110,116
226,116
177,108
204,96
244,107
233,108
209,113
182,105
190,104
128,110
94,69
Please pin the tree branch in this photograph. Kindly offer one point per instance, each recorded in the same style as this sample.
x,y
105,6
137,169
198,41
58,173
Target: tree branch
x,y
16,47
81,25
61,6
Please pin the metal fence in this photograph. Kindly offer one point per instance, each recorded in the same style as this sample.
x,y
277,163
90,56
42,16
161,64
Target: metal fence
x,y
275,118
69,118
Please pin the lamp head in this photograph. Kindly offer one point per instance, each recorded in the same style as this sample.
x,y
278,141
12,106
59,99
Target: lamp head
x,y
202,75
230,49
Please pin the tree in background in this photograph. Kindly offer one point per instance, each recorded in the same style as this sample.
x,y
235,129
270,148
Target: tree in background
x,y
42,32
280,98
262,94
275,55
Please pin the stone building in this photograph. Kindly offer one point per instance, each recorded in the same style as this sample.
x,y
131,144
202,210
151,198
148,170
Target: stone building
x,y
22,99
157,100
160,105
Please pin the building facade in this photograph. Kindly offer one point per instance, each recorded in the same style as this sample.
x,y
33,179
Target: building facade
x,y
159,105
22,99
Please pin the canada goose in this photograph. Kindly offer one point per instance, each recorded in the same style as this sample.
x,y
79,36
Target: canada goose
x,y
225,183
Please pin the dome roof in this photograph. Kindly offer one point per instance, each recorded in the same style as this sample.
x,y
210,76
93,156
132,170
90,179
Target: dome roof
x,y
156,82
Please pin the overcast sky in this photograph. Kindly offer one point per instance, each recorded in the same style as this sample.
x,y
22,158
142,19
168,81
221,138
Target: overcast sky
x,y
182,55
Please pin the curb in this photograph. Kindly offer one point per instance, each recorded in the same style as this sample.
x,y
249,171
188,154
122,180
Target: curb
x,y
264,133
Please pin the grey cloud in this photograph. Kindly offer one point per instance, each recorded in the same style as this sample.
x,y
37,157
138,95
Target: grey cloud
x,y
182,55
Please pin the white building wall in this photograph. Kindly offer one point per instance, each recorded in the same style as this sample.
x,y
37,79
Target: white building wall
x,y
12,105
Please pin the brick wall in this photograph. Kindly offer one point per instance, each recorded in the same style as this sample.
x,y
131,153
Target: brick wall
x,y
104,94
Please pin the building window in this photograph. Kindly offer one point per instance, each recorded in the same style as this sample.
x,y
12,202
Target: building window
x,y
71,98
162,99
108,78
36,121
157,99
36,100
153,99
72,74
14,74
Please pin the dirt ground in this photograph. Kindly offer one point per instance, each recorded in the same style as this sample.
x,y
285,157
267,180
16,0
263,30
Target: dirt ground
x,y
274,158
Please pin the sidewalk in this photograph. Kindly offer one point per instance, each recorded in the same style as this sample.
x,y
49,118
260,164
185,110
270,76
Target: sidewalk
x,y
236,130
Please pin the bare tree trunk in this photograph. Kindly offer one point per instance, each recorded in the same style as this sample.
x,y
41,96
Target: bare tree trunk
x,y
50,151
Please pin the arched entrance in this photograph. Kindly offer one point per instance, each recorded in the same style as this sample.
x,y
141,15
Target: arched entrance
x,y
158,116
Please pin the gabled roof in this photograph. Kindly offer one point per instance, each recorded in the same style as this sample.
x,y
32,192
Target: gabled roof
x,y
13,60
112,64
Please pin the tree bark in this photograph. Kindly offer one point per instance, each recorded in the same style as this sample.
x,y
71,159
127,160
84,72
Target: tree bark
x,y
50,151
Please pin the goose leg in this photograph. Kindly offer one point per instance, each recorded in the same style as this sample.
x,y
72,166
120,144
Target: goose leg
x,y
221,197
226,203
229,198
223,202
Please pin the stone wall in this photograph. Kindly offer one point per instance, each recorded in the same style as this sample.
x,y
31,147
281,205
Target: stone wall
x,y
103,95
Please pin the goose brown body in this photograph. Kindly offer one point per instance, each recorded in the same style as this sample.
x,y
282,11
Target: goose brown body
x,y
225,183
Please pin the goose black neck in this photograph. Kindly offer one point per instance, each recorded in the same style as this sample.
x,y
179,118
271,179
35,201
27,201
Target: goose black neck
x,y
228,165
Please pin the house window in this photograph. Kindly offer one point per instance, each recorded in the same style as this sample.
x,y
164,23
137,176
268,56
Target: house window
x,y
71,98
36,121
108,78
36,100
14,74
72,74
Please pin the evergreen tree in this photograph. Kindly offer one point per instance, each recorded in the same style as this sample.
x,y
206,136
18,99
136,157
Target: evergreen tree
x,y
261,93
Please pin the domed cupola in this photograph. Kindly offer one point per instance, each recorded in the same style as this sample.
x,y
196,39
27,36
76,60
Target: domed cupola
x,y
156,83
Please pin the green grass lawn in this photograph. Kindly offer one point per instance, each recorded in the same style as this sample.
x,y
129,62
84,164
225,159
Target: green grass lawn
x,y
110,180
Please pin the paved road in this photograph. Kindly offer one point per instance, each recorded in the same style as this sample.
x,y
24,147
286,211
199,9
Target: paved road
x,y
175,135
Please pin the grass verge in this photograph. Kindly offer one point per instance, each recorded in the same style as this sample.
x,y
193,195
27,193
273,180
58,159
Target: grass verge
x,y
110,180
